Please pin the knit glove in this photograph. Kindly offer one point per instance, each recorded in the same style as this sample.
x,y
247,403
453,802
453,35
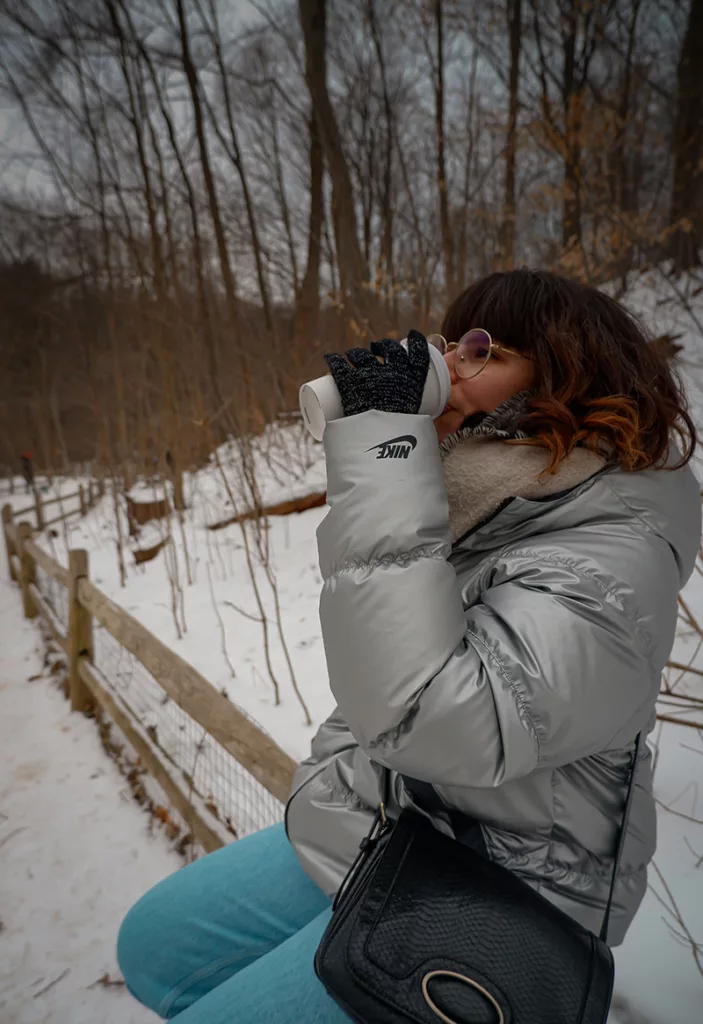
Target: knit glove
x,y
395,385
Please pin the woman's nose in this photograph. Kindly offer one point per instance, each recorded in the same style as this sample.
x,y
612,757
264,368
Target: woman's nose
x,y
450,360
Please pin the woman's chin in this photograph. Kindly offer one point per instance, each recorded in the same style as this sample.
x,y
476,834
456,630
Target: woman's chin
x,y
448,423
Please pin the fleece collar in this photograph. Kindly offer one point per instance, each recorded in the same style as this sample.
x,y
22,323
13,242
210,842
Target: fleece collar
x,y
481,471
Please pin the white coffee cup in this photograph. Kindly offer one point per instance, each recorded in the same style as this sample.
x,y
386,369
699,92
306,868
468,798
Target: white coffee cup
x,y
320,401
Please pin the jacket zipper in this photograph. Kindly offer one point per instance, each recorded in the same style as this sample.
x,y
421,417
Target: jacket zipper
x,y
551,497
477,526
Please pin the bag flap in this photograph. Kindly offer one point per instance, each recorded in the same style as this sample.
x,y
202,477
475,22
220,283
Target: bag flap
x,y
434,905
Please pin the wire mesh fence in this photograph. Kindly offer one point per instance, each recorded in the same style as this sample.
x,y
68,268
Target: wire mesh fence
x,y
203,768
205,771
55,594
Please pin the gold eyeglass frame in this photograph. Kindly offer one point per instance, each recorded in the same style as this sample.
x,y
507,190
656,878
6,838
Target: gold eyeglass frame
x,y
496,346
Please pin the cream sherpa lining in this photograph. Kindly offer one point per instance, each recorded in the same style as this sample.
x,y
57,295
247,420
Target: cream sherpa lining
x,y
481,471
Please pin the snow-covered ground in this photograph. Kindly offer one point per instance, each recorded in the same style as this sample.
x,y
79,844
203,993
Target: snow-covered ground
x,y
75,849
658,981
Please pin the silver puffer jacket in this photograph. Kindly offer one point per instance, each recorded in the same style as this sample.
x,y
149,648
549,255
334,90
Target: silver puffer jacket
x,y
501,636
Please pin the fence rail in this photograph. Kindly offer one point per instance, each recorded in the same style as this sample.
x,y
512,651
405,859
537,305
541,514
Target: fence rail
x,y
87,497
233,734
50,566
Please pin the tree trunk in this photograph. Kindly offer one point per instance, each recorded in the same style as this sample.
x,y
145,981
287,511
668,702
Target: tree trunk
x,y
686,213
235,154
138,128
202,315
623,190
283,200
444,223
387,272
307,300
194,89
571,222
514,11
352,270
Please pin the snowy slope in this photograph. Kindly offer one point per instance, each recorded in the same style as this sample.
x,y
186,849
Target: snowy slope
x,y
288,466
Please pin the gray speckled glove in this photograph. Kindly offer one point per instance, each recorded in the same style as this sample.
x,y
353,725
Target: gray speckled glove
x,y
395,385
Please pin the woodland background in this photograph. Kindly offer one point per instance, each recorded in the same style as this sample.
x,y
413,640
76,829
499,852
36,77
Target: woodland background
x,y
199,197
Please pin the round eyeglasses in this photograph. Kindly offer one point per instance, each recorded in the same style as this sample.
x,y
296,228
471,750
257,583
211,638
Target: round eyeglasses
x,y
473,351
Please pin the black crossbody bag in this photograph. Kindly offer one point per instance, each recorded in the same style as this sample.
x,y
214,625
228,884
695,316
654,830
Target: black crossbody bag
x,y
425,928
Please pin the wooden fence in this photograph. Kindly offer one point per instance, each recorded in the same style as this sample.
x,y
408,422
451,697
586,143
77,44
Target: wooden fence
x,y
87,497
225,723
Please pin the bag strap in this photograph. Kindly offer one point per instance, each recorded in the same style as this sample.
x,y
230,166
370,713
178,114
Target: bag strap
x,y
464,826
466,829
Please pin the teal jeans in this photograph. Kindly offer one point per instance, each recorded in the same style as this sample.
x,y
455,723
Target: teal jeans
x,y
230,939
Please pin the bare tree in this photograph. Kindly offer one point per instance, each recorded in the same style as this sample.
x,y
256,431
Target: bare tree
x,y
352,268
307,299
444,221
197,103
514,13
686,216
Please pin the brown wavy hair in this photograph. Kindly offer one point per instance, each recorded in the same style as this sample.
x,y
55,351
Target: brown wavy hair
x,y
600,383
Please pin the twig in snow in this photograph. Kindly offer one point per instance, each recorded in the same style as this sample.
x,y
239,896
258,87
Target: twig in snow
x,y
254,618
223,635
689,616
107,982
698,856
680,721
51,983
11,834
679,814
677,699
263,546
685,668
689,785
252,576
680,296
171,562
684,935
281,634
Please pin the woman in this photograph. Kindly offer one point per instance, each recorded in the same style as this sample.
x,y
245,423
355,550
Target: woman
x,y
496,613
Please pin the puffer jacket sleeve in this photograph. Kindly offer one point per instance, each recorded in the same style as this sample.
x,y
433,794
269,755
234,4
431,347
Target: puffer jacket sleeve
x,y
546,669
331,738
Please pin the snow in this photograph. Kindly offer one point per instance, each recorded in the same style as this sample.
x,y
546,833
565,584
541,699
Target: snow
x,y
80,826
75,849
656,977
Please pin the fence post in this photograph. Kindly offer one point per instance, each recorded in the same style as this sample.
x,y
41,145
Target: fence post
x,y
6,521
27,570
39,510
81,498
101,485
80,631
